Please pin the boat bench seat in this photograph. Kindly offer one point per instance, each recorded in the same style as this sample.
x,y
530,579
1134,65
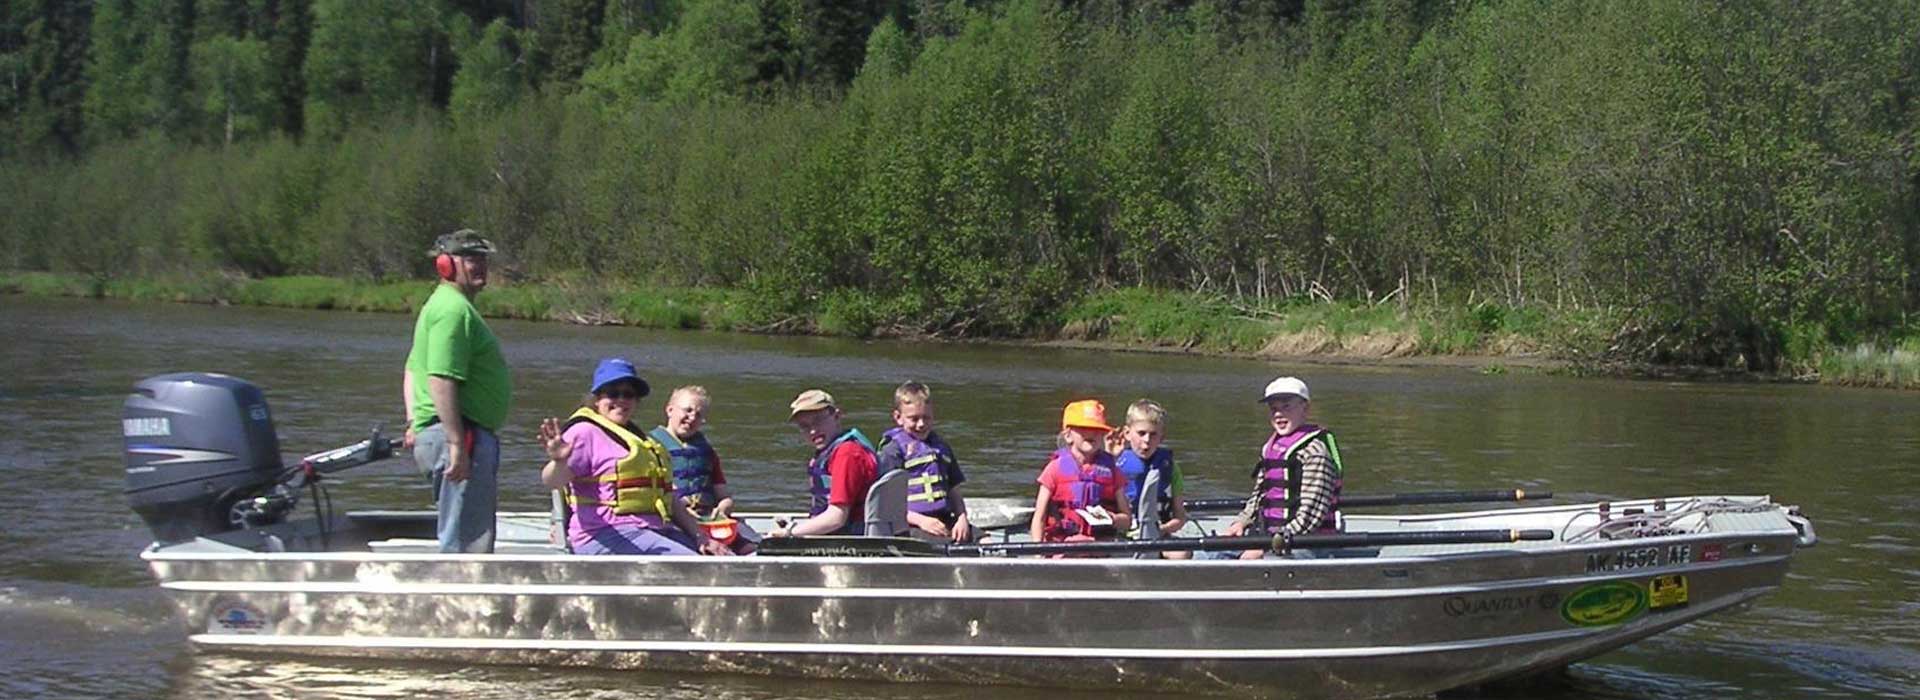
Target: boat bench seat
x,y
514,533
411,545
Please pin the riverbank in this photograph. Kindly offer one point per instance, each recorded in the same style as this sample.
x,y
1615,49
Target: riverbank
x,y
1487,337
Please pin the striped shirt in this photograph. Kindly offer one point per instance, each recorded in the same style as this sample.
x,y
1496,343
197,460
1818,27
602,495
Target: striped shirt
x,y
1316,493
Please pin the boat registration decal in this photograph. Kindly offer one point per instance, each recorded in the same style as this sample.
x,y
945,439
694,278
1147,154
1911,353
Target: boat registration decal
x,y
237,618
1668,591
1604,603
1639,558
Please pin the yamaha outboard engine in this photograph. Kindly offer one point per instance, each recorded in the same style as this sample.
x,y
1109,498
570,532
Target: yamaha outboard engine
x,y
197,444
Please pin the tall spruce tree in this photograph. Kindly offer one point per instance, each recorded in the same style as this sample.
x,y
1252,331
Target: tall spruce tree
x,y
566,35
369,61
137,72
43,54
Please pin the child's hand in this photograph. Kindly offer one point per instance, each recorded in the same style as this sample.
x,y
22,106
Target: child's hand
x,y
934,527
1116,441
558,449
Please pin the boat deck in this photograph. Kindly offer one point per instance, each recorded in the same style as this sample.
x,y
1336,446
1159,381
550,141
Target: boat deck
x,y
530,532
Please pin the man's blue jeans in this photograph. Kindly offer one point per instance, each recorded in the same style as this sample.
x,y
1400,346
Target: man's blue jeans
x,y
467,508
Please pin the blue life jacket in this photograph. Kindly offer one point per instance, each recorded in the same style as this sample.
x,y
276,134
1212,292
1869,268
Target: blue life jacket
x,y
1136,470
693,462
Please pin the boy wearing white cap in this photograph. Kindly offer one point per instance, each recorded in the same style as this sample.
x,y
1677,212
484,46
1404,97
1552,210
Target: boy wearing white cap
x,y
1297,481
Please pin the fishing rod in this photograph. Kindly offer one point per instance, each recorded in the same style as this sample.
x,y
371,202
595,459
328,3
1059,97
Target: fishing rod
x,y
1416,498
852,546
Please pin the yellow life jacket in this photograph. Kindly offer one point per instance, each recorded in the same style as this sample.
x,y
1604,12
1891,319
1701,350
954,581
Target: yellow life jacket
x,y
642,480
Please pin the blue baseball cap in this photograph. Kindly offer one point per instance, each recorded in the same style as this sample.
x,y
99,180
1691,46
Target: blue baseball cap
x,y
614,369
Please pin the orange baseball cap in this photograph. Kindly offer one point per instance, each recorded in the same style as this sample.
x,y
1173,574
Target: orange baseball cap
x,y
1085,414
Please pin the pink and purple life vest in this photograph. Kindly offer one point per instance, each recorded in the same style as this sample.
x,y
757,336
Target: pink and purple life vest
x,y
1090,486
1280,475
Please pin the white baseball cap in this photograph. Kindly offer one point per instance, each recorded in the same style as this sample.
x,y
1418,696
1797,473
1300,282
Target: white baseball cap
x,y
1284,386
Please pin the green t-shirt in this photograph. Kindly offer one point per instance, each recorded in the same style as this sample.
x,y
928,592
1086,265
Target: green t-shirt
x,y
451,340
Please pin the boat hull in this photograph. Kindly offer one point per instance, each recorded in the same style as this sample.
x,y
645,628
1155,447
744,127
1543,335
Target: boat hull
x,y
1333,628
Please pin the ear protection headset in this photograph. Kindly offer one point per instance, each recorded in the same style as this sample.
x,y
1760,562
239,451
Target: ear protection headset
x,y
445,265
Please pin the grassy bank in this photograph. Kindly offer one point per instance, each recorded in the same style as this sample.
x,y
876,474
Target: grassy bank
x,y
558,301
1491,336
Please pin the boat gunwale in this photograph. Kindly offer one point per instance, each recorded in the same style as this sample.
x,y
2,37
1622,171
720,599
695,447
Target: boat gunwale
x,y
157,553
982,593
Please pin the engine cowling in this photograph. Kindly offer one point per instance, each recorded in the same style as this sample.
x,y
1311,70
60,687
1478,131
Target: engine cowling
x,y
196,444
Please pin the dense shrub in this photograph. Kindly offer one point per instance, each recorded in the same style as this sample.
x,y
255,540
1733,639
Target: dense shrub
x,y
1727,183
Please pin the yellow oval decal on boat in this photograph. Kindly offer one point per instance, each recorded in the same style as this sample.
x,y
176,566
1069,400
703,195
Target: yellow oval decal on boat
x,y
1607,603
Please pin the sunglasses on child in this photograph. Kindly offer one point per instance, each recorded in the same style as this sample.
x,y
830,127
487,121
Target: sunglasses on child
x,y
621,394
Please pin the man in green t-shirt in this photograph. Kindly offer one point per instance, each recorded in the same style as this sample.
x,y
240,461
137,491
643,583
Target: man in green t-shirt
x,y
457,392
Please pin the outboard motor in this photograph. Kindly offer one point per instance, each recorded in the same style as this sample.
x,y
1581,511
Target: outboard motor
x,y
197,444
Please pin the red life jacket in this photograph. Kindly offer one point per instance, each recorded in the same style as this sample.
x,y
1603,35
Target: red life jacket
x,y
1095,484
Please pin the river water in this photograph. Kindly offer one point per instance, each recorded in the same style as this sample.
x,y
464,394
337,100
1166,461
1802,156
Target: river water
x,y
80,616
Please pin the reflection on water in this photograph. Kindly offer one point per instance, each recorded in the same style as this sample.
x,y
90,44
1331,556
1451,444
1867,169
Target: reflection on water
x,y
218,675
79,616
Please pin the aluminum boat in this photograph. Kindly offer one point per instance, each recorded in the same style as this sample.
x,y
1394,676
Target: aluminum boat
x,y
1404,620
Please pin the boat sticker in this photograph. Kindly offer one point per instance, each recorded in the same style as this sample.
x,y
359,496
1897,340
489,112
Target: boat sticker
x,y
1604,603
1713,552
1667,591
237,618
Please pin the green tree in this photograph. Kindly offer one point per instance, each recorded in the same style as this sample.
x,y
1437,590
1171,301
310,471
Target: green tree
x,y
230,76
370,60
287,29
822,42
707,55
137,75
491,77
890,51
565,38
621,20
43,57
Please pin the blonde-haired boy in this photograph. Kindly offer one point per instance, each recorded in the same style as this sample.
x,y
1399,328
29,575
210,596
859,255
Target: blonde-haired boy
x,y
1140,455
934,506
697,479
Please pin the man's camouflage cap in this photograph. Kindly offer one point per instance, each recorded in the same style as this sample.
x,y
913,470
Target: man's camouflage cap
x,y
465,241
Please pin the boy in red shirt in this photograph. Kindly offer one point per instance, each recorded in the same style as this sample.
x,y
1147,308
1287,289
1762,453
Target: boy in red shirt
x,y
841,471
